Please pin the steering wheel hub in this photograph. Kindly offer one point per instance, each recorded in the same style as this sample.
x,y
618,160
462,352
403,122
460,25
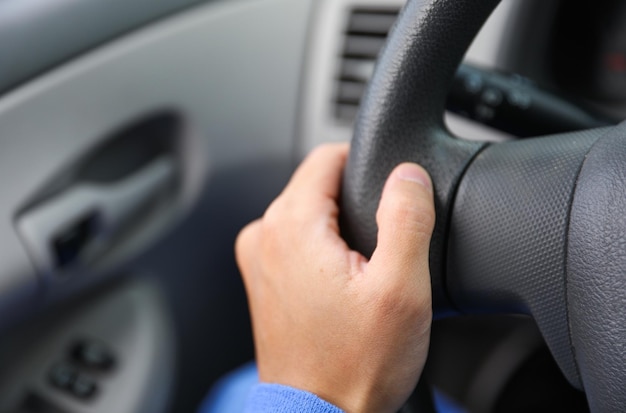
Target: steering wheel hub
x,y
534,227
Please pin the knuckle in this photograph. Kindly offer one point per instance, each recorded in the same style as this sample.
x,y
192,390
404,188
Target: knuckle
x,y
277,217
244,245
242,240
274,214
287,212
326,150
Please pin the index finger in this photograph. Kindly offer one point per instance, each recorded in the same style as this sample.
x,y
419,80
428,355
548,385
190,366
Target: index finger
x,y
319,175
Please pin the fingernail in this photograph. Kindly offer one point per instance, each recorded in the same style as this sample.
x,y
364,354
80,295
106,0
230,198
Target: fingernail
x,y
413,173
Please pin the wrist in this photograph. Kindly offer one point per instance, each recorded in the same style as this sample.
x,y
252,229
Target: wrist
x,y
349,396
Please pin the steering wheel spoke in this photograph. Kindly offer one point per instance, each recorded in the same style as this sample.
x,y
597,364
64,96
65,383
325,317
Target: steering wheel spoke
x,y
507,246
534,227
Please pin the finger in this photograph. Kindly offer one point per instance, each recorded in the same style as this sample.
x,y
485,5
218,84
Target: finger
x,y
405,217
319,175
246,246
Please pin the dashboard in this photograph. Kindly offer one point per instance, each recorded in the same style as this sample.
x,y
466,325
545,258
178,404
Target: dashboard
x,y
345,39
567,48
254,85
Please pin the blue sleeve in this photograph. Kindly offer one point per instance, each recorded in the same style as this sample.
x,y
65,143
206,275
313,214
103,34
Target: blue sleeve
x,y
275,398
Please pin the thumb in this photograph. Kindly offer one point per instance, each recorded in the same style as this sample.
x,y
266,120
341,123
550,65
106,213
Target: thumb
x,y
405,218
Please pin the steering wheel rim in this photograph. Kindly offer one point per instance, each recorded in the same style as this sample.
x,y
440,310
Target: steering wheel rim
x,y
517,223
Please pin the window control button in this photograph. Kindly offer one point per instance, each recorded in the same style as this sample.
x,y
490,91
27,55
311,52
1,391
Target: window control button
x,y
83,387
63,375
93,354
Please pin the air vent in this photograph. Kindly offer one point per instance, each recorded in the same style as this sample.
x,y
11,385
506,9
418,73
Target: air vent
x,y
365,35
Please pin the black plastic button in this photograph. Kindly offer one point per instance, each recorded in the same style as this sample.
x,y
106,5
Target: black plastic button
x,y
83,387
63,376
93,354
492,97
70,243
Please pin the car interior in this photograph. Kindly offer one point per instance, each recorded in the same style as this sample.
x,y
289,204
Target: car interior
x,y
138,137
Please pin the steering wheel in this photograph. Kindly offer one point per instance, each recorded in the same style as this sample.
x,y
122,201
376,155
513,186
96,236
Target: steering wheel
x,y
533,227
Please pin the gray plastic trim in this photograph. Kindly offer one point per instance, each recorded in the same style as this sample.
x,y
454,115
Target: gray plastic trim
x,y
132,320
112,205
36,35
230,69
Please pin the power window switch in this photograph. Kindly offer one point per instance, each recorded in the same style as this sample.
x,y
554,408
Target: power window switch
x,y
93,354
83,387
63,376
67,378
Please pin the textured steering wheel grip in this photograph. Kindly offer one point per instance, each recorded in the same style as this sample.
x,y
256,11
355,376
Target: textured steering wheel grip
x,y
401,120
507,242
596,268
534,227
539,227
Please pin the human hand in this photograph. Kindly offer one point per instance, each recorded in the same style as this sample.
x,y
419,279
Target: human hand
x,y
325,319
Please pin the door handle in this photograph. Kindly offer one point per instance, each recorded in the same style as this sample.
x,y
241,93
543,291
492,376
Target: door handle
x,y
77,225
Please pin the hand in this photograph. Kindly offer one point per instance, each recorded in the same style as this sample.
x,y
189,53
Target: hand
x,y
325,319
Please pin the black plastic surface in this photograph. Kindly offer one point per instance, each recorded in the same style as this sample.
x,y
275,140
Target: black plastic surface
x,y
84,387
63,375
69,379
586,55
68,245
596,266
93,354
507,248
34,403
36,35
527,233
514,104
401,119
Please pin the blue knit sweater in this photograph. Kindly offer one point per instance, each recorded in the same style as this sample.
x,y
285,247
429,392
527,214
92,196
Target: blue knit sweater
x,y
274,398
